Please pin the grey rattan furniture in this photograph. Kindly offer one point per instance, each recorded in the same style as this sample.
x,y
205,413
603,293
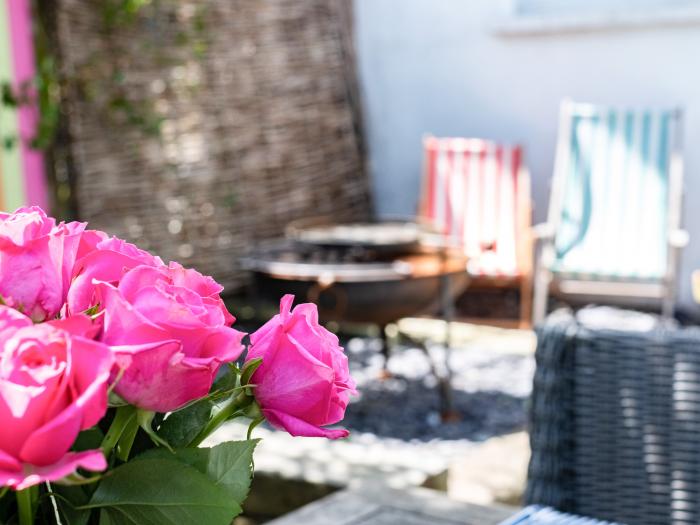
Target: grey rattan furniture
x,y
615,423
537,515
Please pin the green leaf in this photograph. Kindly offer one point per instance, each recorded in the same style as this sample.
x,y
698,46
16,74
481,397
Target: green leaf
x,y
161,491
228,381
88,440
228,465
145,419
7,501
181,427
70,497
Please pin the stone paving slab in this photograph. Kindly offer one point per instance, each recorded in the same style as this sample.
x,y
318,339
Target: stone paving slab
x,y
494,471
378,505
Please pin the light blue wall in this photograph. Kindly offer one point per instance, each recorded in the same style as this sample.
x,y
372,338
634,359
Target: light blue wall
x,y
438,66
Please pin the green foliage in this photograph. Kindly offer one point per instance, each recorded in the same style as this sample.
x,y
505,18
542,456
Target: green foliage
x,y
249,369
156,473
102,77
7,504
228,465
117,13
189,486
48,91
89,439
145,420
164,492
227,382
181,427
68,499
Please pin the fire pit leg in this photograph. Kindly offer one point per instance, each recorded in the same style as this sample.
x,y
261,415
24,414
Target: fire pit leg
x,y
445,382
386,352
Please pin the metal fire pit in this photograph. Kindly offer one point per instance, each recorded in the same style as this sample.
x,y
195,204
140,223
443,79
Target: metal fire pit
x,y
377,292
372,273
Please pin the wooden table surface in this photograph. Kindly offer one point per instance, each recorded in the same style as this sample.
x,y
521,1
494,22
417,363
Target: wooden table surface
x,y
384,506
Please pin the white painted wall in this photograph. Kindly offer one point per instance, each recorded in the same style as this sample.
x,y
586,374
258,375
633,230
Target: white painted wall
x,y
438,66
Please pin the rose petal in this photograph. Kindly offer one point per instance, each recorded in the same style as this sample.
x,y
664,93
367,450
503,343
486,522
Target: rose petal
x,y
161,378
92,460
8,462
67,242
294,382
22,408
224,343
122,323
298,427
49,443
80,325
193,280
88,242
138,278
100,265
92,363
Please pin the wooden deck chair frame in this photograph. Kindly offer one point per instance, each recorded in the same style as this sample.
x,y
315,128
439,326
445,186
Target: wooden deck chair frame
x,y
663,290
524,250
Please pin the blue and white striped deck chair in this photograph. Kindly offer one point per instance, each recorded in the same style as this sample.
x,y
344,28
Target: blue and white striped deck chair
x,y
613,231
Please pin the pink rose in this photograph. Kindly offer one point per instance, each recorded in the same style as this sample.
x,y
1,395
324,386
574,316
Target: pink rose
x,y
53,384
36,261
173,326
103,259
303,382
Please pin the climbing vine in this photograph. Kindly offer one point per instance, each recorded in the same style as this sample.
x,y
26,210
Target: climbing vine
x,y
102,77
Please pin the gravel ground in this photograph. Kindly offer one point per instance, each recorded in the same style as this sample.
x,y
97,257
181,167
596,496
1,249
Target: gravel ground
x,y
396,432
490,391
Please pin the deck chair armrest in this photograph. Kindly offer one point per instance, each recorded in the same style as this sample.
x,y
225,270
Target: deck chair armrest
x,y
543,231
678,238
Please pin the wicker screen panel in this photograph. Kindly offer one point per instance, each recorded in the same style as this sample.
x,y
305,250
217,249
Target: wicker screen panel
x,y
259,129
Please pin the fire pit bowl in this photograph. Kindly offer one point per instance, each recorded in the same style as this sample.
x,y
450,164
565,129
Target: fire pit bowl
x,y
375,273
348,285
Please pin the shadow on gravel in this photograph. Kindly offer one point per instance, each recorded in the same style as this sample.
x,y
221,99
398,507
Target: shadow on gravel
x,y
408,409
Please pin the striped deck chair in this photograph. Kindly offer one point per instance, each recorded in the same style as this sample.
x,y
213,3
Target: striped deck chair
x,y
613,231
477,193
22,179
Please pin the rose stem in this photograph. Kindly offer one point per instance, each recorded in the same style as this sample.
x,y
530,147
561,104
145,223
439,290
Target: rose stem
x,y
121,419
228,410
25,507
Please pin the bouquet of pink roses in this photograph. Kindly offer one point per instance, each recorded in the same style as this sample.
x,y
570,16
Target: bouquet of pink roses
x,y
115,366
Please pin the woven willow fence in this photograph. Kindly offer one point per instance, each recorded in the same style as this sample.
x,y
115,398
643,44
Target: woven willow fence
x,y
258,126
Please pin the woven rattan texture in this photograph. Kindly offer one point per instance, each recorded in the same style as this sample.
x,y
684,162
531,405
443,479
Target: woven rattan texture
x,y
260,130
615,424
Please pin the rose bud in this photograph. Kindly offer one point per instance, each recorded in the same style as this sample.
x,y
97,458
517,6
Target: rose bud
x,y
53,384
303,382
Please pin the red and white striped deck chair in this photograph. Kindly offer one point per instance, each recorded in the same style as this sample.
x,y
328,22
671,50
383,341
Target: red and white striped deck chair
x,y
477,193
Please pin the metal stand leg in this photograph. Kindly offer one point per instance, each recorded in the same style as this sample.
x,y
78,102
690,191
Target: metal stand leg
x,y
447,412
445,383
386,352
